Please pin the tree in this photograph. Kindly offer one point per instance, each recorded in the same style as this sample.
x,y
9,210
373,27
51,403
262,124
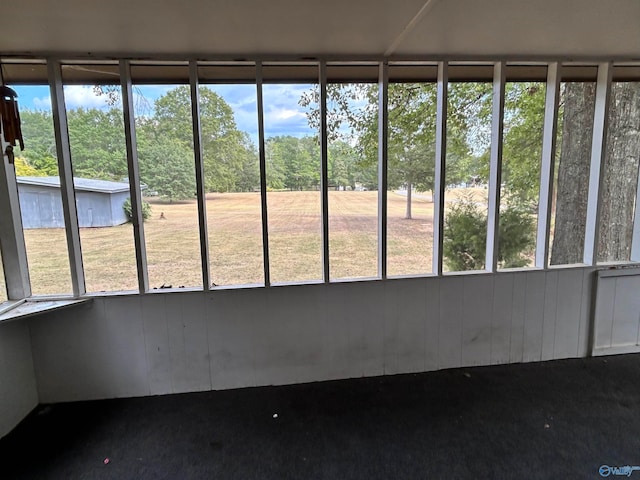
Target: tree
x,y
40,143
98,148
167,168
230,159
522,145
96,138
411,138
621,162
620,169
344,171
293,163
23,169
164,139
572,185
468,132
411,143
411,152
228,152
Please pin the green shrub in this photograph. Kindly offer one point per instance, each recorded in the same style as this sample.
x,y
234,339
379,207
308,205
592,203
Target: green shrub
x,y
517,236
465,236
146,210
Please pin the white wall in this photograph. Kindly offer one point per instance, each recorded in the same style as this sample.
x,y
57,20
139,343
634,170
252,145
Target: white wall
x,y
617,312
18,394
180,342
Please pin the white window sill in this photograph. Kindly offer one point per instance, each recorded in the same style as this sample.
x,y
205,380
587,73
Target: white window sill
x,y
30,308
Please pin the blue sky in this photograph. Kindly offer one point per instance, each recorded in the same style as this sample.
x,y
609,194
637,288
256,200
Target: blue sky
x,y
282,114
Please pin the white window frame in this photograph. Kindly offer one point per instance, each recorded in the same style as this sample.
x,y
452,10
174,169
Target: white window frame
x,y
12,235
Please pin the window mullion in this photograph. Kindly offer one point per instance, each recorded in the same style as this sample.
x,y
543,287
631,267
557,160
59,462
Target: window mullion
x,y
440,167
263,176
200,190
596,172
383,139
495,167
324,175
137,218
14,252
67,189
548,164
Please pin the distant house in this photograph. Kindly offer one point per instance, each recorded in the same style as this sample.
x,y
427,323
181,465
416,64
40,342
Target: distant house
x,y
99,202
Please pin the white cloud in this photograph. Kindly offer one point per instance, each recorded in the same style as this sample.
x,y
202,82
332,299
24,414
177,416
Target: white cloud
x,y
41,103
83,96
276,114
283,114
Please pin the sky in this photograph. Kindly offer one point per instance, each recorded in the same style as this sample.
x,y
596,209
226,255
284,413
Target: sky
x,y
282,114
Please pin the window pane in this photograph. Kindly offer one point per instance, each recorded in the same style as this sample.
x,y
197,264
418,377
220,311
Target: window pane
x,y
521,161
573,157
167,171
410,177
229,118
293,180
40,197
620,174
467,173
98,154
353,179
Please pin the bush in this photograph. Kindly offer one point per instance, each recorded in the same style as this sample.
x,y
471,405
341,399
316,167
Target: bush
x,y
146,210
465,236
517,236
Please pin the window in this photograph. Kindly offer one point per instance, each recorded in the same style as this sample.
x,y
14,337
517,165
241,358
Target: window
x,y
164,136
98,155
620,173
352,167
573,160
40,195
289,198
521,163
293,179
411,171
229,122
467,174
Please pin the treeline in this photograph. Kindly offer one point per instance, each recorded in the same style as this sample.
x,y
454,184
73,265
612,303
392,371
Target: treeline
x,y
294,164
165,145
165,150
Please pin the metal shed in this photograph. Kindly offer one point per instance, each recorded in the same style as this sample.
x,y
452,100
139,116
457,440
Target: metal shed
x,y
99,202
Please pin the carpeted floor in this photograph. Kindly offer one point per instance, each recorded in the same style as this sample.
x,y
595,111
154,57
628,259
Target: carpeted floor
x,y
562,419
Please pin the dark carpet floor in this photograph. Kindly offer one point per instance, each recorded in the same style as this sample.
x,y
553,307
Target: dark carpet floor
x,y
561,419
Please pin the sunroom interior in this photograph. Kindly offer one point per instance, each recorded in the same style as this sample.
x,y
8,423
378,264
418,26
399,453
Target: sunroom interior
x,y
260,316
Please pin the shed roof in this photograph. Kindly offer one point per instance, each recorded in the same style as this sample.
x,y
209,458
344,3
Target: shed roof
x,y
86,184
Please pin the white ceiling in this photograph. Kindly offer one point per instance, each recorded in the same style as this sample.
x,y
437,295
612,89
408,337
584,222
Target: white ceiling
x,y
340,28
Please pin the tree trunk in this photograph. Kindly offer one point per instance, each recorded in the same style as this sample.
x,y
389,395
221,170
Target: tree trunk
x,y
409,188
620,173
620,169
573,173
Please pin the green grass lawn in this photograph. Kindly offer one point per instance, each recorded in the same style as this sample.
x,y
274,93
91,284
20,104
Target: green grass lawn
x,y
235,242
